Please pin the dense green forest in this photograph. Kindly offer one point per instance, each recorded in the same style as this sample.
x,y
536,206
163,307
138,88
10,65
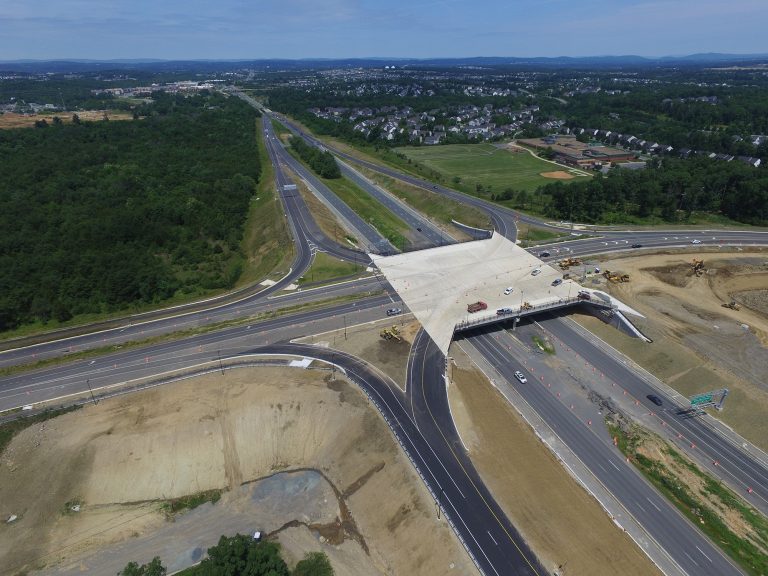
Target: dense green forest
x,y
102,216
671,190
321,162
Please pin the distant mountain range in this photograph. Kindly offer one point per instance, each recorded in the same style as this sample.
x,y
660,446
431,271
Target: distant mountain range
x,y
149,64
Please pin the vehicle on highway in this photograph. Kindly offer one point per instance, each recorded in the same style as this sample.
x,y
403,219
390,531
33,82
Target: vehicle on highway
x,y
508,290
520,376
544,255
637,245
394,311
535,271
695,241
557,281
502,311
655,399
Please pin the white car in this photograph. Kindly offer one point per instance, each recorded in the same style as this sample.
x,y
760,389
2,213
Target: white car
x,y
520,376
535,271
508,291
695,241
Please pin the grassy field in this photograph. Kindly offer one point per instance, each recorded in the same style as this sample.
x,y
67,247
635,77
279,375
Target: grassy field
x,y
482,164
370,210
325,267
436,207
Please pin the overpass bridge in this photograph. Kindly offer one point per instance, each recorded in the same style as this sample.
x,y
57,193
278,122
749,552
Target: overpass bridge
x,y
522,311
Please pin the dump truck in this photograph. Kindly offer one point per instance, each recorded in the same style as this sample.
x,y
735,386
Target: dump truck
x,y
476,306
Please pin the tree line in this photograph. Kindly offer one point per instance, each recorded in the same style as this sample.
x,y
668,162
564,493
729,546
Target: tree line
x,y
104,216
240,555
323,163
670,190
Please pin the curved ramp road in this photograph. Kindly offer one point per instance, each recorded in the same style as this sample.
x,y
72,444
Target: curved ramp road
x,y
427,402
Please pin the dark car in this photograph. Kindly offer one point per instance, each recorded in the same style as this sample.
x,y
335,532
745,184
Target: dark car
x,y
637,245
418,228
557,281
544,255
655,399
394,311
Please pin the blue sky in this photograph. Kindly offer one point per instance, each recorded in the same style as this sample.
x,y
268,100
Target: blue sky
x,y
218,29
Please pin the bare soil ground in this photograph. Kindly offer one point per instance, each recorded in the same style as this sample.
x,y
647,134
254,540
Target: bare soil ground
x,y
548,507
120,459
365,341
558,175
698,345
12,120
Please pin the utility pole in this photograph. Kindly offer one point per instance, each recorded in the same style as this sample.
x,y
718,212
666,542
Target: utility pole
x,y
221,366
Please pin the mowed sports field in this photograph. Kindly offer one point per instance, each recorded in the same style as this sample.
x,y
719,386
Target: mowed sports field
x,y
485,164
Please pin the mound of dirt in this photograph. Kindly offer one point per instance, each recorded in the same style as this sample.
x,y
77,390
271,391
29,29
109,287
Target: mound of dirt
x,y
557,175
678,275
121,459
757,300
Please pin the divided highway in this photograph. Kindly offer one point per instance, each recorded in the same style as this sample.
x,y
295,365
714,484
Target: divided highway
x,y
686,545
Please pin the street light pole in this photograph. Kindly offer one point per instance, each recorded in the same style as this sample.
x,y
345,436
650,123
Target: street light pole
x,y
88,383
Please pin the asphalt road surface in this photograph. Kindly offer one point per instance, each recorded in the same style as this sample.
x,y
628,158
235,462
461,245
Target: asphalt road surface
x,y
687,546
740,469
427,401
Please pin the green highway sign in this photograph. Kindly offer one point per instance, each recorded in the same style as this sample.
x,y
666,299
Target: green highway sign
x,y
701,399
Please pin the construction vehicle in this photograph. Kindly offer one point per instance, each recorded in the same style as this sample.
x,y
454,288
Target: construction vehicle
x,y
612,277
476,306
568,262
733,305
391,334
526,306
698,267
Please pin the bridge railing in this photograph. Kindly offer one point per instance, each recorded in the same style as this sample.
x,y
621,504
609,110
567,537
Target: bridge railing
x,y
531,309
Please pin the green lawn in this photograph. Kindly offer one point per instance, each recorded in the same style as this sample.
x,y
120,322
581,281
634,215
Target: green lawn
x,y
325,267
370,210
482,164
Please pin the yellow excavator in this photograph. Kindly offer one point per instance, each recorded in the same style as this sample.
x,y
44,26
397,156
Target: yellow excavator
x,y
391,334
698,267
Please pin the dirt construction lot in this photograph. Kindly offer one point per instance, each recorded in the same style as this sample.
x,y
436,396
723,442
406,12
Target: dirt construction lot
x,y
698,345
122,458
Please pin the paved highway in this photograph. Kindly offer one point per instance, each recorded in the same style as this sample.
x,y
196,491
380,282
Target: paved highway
x,y
427,401
687,546
736,466
128,365
427,234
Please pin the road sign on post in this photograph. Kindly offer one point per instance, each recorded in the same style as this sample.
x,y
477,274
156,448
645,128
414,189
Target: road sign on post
x,y
715,398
